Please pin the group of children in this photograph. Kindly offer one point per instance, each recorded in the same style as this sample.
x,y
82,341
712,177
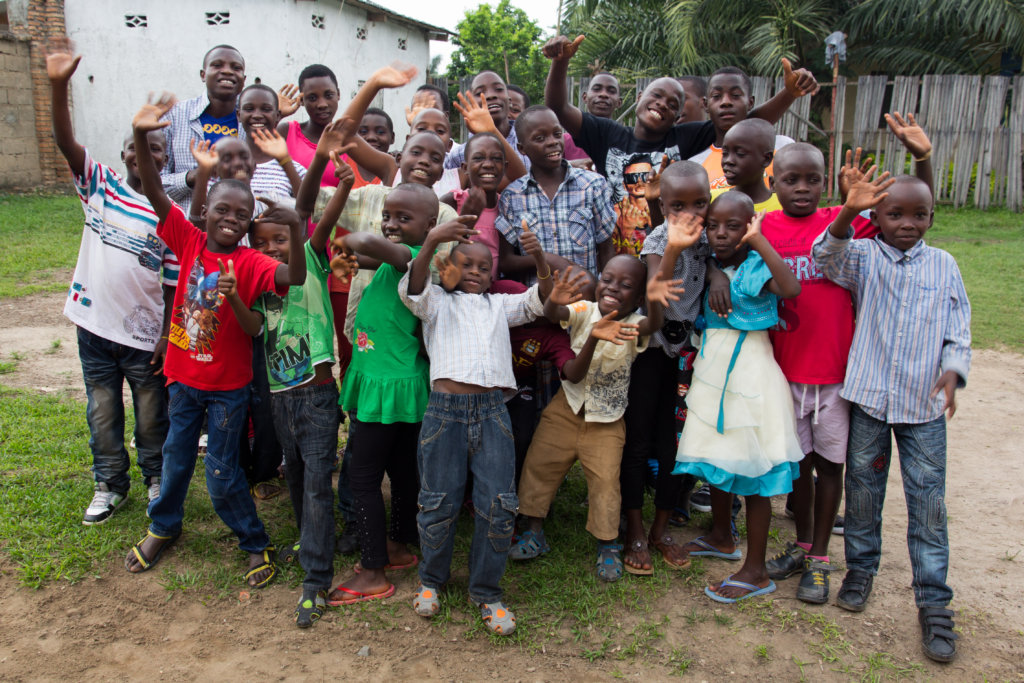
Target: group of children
x,y
501,312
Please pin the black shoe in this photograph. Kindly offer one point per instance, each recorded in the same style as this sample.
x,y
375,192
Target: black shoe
x,y
700,499
839,526
856,588
348,542
788,562
814,582
937,636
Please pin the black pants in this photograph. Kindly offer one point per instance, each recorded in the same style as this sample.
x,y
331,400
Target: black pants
x,y
382,448
261,458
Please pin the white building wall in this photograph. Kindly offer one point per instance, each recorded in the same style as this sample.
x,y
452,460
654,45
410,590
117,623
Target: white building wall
x,y
121,65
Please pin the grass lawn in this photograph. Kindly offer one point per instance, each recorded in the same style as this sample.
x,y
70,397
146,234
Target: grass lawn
x,y
41,234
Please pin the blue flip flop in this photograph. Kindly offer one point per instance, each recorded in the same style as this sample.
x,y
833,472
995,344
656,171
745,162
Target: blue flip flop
x,y
711,551
755,591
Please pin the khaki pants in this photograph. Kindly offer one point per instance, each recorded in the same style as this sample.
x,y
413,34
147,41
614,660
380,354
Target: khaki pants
x,y
561,438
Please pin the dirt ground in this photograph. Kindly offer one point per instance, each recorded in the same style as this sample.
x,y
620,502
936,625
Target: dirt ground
x,y
123,627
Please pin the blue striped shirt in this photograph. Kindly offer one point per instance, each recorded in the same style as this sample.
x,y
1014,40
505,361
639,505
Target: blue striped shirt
x,y
913,324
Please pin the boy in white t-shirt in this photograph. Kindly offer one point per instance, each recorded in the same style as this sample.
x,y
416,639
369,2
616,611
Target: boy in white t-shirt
x,y
118,304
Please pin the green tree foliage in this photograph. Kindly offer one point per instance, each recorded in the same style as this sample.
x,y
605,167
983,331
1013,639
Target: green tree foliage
x,y
502,39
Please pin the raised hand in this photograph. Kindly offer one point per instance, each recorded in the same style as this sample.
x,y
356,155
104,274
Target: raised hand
x,y
272,144
227,283
478,118
652,191
800,82
394,75
867,194
458,230
566,288
336,136
279,210
661,290
910,134
753,227
615,331
423,99
947,384
148,118
449,272
683,230
204,154
344,265
475,202
288,99
853,171
561,48
61,61
342,171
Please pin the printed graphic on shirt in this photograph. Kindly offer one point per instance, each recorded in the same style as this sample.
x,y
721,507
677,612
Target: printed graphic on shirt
x,y
195,324
627,176
142,325
292,360
363,342
808,274
526,355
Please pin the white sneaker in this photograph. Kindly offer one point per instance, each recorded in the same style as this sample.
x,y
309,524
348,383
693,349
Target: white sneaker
x,y
104,503
153,490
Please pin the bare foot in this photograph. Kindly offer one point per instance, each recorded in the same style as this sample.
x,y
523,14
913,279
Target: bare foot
x,y
637,555
759,579
674,555
367,582
399,554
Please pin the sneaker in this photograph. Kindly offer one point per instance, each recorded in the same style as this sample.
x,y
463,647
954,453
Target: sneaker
x,y
839,526
311,607
498,618
814,582
153,490
104,503
700,499
790,561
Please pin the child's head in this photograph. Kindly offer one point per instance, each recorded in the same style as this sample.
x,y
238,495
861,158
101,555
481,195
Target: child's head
x,y
490,85
234,160
728,98
318,87
377,129
695,88
621,285
272,239
441,100
228,213
659,106
747,150
422,159
223,72
475,262
685,189
602,95
485,161
726,224
257,109
410,211
798,178
434,121
905,215
540,137
518,101
157,140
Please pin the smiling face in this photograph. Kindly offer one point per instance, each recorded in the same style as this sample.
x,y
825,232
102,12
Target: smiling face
x,y
745,155
157,148
602,96
272,239
659,106
485,162
634,178
257,110
726,225
320,99
543,140
234,160
727,101
375,130
490,85
223,73
227,213
798,180
906,214
407,216
475,263
434,121
422,160
620,287
685,195
516,104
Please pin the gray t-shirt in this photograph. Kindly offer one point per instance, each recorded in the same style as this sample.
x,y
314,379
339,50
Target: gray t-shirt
x,y
690,267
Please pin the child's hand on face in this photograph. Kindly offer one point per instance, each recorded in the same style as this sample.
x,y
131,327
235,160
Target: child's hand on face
x,y
561,48
204,154
60,60
342,171
449,272
458,230
661,290
566,288
288,99
394,75
910,134
652,192
753,227
344,266
477,117
279,210
853,171
867,194
424,99
800,82
615,331
227,283
148,118
947,384
683,230
272,144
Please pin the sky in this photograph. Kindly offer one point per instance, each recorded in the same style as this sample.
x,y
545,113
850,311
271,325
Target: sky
x,y
448,13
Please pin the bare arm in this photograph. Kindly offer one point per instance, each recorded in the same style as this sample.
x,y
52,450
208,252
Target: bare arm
x,y
335,204
797,84
783,282
917,143
227,284
60,65
294,272
479,120
556,94
458,230
606,329
147,119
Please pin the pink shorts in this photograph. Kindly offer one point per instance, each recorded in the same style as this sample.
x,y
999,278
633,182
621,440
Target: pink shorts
x,y
822,419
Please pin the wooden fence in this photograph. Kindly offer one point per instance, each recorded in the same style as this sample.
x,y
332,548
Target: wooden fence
x,y
975,123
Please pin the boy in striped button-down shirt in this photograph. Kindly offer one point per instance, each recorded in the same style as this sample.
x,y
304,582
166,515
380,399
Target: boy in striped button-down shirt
x,y
911,352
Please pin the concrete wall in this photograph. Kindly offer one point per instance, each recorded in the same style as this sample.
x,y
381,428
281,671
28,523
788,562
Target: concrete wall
x,y
121,64
19,152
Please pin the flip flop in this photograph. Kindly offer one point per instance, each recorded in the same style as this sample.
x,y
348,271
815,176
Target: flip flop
x,y
637,546
358,596
754,590
147,563
358,568
663,545
708,550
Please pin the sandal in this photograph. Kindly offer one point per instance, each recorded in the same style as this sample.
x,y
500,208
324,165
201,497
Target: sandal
x,y
147,563
753,591
937,636
426,602
358,596
289,555
638,546
265,490
310,609
266,566
609,561
530,545
669,552
705,549
498,618
358,567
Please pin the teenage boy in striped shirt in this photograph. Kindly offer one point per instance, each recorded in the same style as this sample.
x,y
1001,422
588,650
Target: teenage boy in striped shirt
x,y
911,351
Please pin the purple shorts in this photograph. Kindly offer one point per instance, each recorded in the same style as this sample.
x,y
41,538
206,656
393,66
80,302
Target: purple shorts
x,y
822,419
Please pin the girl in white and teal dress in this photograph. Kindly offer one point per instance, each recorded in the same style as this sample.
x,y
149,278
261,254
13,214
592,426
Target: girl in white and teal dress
x,y
740,434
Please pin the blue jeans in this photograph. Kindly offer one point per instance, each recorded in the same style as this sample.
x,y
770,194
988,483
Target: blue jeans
x,y
922,453
105,367
464,433
306,422
225,479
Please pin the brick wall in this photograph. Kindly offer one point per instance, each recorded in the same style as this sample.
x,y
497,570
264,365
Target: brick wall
x,y
19,152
